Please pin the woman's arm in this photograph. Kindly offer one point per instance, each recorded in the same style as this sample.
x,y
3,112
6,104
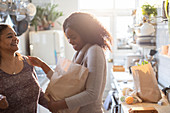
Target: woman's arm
x,y
95,82
94,86
3,102
42,100
35,61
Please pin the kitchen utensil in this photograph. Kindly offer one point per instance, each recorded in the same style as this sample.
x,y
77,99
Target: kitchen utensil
x,y
3,7
9,21
12,9
22,27
146,29
168,95
20,17
31,9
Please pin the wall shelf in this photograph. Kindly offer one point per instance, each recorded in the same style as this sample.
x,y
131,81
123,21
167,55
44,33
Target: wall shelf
x,y
144,46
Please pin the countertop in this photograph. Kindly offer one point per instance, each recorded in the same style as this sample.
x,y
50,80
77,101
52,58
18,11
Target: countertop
x,y
124,79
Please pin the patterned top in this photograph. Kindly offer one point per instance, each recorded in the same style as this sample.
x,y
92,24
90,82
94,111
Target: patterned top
x,y
22,91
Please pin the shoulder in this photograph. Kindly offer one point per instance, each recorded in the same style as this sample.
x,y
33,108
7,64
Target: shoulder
x,y
26,59
95,52
95,49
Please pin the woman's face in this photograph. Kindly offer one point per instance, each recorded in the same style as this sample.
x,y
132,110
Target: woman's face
x,y
74,39
8,40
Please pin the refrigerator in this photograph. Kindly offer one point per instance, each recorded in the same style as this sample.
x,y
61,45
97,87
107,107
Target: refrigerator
x,y
47,45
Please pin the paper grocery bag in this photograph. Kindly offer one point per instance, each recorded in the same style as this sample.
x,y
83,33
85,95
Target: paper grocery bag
x,y
68,79
145,83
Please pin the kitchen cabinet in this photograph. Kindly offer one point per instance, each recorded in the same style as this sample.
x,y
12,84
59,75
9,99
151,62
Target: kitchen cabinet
x,y
162,38
164,70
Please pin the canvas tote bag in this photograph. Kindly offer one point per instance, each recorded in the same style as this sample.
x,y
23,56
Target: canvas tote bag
x,y
145,83
68,79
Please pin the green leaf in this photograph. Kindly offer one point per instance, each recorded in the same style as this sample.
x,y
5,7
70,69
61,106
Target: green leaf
x,y
49,14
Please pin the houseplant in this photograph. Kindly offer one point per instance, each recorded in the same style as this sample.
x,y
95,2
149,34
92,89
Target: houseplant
x,y
149,11
46,16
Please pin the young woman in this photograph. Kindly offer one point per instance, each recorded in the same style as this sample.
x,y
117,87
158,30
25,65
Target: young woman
x,y
19,87
89,38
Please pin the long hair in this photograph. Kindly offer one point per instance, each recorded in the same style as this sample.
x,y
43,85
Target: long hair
x,y
2,28
89,29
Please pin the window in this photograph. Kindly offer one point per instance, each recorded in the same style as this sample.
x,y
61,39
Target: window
x,y
115,15
105,21
122,31
95,4
122,4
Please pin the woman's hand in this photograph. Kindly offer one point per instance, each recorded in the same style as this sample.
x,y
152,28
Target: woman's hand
x,y
3,102
52,105
35,61
55,106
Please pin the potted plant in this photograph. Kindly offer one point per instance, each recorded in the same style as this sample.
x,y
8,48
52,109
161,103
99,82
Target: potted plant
x,y
46,16
149,11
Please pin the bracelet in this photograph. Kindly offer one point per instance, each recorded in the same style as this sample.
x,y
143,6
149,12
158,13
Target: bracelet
x,y
1,96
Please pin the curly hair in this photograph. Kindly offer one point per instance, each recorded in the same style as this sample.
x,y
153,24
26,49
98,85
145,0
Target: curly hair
x,y
89,29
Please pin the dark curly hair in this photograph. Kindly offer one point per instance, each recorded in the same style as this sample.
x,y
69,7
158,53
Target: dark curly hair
x,y
89,29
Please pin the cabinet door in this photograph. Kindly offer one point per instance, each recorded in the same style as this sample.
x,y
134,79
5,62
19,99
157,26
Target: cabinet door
x,y
164,70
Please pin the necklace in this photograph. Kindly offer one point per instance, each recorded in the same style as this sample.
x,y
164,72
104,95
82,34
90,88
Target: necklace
x,y
15,66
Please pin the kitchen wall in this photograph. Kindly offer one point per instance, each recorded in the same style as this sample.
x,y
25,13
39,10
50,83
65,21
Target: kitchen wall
x,y
67,6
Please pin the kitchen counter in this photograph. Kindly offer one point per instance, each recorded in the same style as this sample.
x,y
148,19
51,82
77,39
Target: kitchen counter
x,y
124,79
165,108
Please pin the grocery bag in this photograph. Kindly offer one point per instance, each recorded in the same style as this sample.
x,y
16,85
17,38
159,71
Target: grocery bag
x,y
145,83
68,79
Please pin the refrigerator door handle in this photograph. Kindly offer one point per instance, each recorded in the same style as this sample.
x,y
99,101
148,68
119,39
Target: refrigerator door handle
x,y
31,49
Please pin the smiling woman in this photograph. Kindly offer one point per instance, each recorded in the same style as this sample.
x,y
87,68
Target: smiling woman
x,y
74,39
7,41
18,83
89,38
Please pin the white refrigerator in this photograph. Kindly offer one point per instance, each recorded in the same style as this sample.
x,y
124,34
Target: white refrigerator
x,y
47,45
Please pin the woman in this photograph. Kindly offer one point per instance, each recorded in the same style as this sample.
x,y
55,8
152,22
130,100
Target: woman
x,y
88,37
18,82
